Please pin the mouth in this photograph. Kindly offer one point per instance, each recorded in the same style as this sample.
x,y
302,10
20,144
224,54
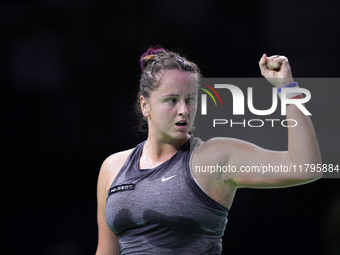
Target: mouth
x,y
182,124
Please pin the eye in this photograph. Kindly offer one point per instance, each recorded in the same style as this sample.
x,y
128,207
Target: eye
x,y
172,100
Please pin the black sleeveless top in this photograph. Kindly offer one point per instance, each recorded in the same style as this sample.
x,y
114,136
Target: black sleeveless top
x,y
163,210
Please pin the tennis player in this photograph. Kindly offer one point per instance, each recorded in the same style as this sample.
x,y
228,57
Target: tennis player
x,y
150,200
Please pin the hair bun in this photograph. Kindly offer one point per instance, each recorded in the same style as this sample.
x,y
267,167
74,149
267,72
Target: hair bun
x,y
148,57
150,54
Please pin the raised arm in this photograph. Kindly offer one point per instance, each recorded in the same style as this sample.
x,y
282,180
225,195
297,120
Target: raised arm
x,y
250,163
303,146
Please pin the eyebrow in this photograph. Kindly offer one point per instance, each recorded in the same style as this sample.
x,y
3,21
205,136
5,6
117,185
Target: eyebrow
x,y
176,95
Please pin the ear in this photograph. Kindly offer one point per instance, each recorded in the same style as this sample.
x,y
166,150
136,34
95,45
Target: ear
x,y
145,106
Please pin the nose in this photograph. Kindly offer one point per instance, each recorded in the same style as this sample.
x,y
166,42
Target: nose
x,y
183,109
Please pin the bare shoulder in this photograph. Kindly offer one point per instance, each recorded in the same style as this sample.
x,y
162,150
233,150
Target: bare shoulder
x,y
224,151
218,150
111,167
116,159
214,152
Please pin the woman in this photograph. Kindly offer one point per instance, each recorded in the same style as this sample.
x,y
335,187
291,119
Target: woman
x,y
150,201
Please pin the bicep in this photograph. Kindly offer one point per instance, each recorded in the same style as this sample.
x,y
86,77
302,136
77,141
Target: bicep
x,y
248,165
260,168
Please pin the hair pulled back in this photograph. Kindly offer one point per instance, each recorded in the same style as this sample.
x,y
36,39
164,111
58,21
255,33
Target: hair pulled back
x,y
153,63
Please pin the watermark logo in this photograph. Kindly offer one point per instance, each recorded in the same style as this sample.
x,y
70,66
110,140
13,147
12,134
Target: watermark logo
x,y
238,99
204,97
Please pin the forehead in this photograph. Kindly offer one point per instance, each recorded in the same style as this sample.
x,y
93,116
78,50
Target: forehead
x,y
177,82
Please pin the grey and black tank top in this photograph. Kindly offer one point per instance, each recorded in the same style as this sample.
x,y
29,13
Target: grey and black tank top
x,y
163,210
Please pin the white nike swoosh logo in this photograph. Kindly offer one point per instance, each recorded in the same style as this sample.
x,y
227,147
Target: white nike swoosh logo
x,y
165,179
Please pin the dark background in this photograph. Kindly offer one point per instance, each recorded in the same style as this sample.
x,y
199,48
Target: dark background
x,y
69,74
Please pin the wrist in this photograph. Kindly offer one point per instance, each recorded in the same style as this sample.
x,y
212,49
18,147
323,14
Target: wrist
x,y
290,95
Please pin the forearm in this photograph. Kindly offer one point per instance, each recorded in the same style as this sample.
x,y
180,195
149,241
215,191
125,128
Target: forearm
x,y
303,147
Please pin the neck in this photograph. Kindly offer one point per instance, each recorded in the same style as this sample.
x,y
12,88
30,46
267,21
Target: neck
x,y
159,147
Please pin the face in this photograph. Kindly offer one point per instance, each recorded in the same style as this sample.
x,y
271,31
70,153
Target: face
x,y
171,108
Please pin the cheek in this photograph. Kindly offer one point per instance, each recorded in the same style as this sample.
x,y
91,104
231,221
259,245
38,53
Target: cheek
x,y
162,111
167,108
